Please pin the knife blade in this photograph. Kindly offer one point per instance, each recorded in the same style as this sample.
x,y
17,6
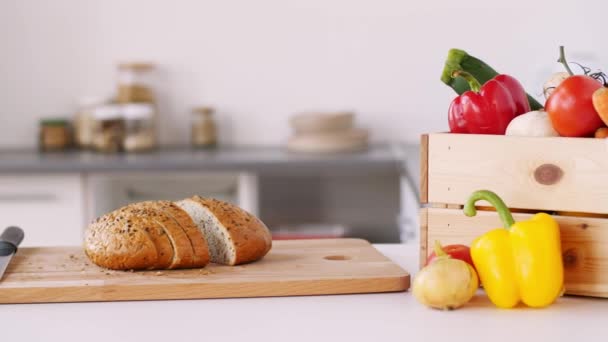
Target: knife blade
x,y
9,241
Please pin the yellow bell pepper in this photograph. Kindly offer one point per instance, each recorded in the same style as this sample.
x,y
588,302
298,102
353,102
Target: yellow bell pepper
x,y
520,263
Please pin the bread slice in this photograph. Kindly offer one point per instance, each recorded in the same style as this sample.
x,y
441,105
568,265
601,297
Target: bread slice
x,y
113,242
195,236
183,256
234,236
135,217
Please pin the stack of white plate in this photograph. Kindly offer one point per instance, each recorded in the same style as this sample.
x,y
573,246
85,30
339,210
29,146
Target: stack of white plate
x,y
326,133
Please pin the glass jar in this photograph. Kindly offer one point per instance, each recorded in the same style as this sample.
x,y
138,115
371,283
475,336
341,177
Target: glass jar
x,y
54,135
109,132
204,130
135,83
140,133
84,122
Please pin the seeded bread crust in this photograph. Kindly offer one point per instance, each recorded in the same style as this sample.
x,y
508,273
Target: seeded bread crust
x,y
195,236
111,243
139,236
137,216
251,238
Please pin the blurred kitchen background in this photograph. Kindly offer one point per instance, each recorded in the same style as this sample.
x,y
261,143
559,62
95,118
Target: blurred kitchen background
x,y
306,113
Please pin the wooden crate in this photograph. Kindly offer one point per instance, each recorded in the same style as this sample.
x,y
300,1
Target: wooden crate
x,y
567,177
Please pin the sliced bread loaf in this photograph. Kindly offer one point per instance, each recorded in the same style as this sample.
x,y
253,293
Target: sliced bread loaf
x,y
165,235
233,235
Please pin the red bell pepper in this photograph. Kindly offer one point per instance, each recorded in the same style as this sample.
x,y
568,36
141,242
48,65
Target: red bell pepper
x,y
487,109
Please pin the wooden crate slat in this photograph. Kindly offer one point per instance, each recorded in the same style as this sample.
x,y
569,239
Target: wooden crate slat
x,y
561,174
424,170
424,252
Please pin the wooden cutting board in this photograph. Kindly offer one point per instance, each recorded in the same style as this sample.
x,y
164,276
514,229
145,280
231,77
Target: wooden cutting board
x,y
292,268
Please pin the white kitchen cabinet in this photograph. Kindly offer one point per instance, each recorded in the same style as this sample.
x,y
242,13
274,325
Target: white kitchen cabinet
x,y
54,209
49,208
106,192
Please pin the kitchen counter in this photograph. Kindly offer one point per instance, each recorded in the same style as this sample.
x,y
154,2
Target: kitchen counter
x,y
368,317
253,159
72,188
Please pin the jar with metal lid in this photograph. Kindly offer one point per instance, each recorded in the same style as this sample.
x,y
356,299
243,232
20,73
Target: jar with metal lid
x,y
204,130
135,82
109,130
54,135
140,133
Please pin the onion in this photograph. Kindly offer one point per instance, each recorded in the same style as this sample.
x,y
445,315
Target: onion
x,y
553,82
446,283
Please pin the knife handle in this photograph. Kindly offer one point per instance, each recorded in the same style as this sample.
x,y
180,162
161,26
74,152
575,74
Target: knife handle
x,y
12,235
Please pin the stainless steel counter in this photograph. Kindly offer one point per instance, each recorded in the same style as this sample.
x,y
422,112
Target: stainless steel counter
x,y
378,158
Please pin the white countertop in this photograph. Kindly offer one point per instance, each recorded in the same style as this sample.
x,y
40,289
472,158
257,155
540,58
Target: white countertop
x,y
371,317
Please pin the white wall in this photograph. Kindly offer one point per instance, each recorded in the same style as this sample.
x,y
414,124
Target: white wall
x,y
260,61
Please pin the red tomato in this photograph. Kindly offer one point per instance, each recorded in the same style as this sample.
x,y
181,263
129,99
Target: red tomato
x,y
570,107
460,252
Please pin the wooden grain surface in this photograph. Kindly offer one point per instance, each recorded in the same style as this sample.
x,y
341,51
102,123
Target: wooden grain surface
x,y
558,174
424,170
584,242
424,228
292,268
